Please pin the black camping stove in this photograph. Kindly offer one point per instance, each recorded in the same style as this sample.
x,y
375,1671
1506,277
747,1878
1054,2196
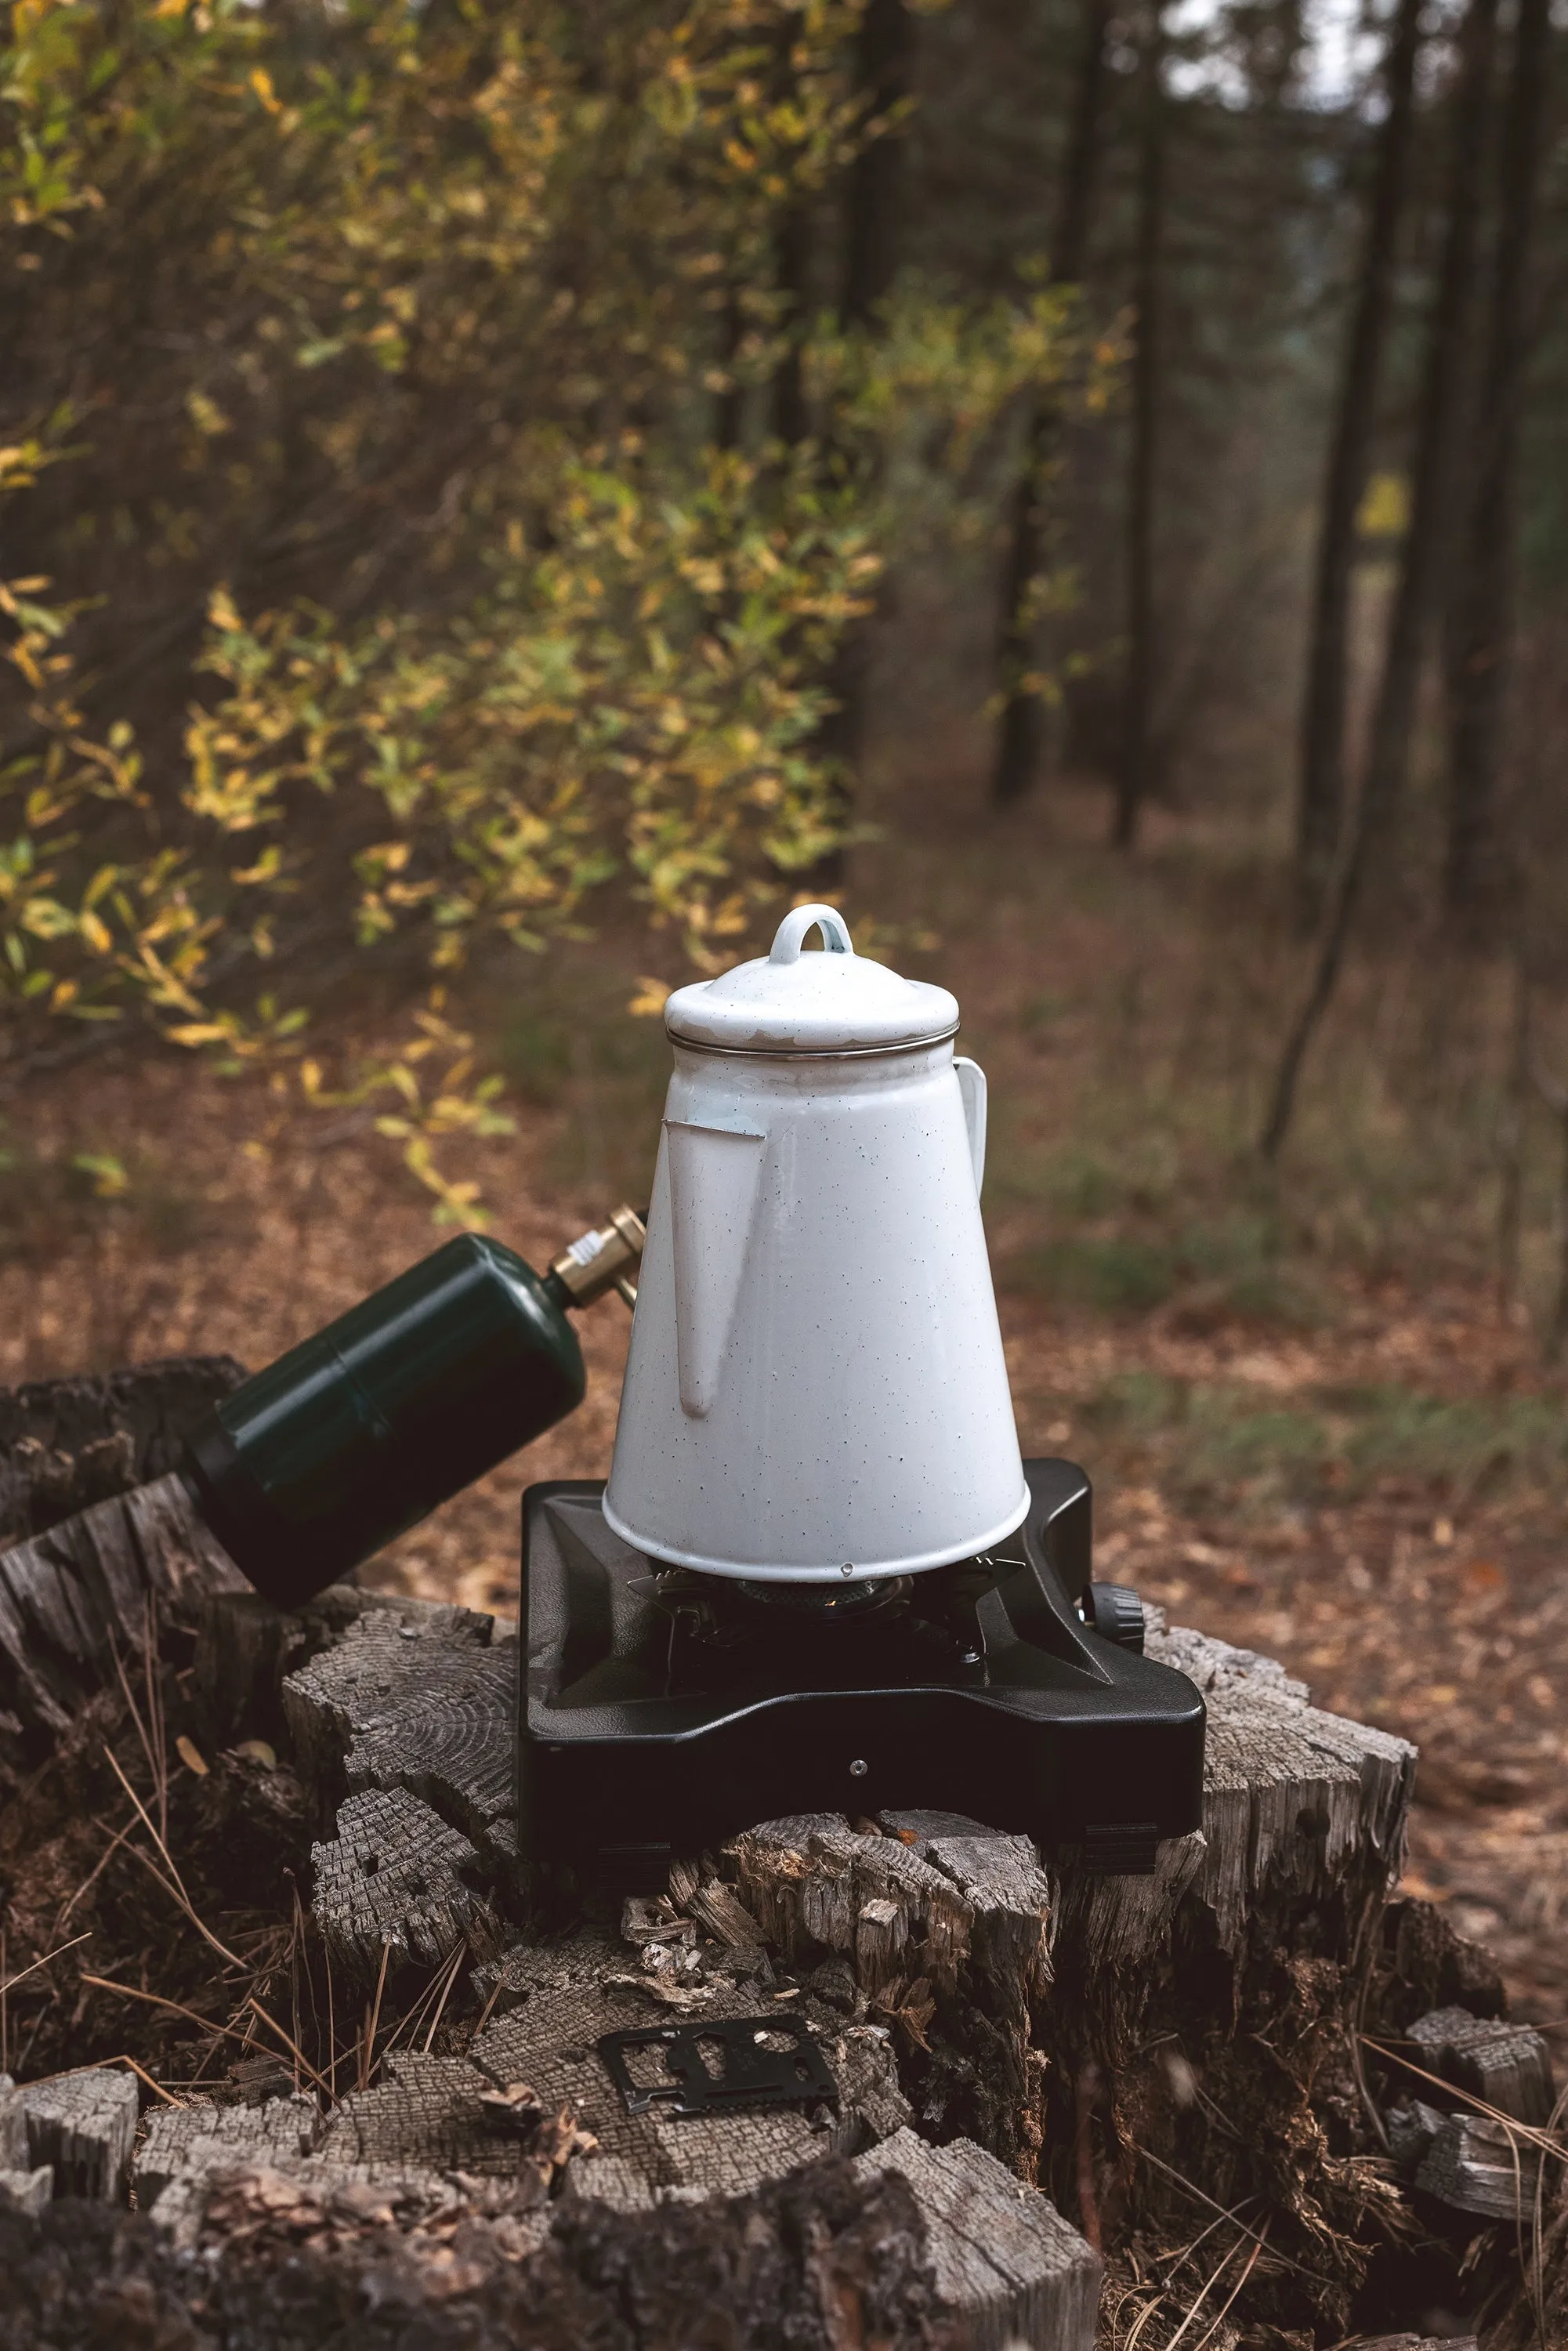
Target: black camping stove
x,y
663,1711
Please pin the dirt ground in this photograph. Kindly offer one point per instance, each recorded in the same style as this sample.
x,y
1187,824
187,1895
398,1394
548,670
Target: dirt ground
x,y
1370,1491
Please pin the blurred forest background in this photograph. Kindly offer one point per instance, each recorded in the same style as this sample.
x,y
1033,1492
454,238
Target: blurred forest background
x,y
499,498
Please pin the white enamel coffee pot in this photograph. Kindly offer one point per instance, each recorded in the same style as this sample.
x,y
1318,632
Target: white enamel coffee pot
x,y
816,1389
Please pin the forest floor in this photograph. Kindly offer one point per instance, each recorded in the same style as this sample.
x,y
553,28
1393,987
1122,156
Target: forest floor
x,y
1312,1429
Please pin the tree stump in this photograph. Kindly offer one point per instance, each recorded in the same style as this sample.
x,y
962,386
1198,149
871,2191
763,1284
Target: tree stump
x,y
1052,2017
1049,2057
81,2127
66,1444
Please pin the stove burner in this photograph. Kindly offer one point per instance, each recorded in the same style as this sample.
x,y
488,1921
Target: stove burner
x,y
826,1603
661,1711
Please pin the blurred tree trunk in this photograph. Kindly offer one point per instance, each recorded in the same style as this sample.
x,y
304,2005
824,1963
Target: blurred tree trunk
x,y
1019,739
1138,737
791,265
792,255
1511,1131
873,201
1419,591
1426,544
884,62
1481,613
1320,795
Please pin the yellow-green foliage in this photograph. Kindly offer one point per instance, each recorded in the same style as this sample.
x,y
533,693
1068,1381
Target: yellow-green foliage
x,y
649,677
389,339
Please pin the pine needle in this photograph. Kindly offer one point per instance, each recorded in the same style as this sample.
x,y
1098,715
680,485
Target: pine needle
x,y
1192,2189
207,2023
1545,2139
6,1982
1218,2318
496,1990
176,1884
1225,2261
292,2046
453,1973
140,2071
90,1880
367,2061
440,1983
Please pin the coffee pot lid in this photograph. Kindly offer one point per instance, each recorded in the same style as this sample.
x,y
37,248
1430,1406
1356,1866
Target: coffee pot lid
x,y
787,1002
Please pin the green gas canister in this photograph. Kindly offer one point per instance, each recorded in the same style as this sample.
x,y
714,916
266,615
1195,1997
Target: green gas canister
x,y
359,1433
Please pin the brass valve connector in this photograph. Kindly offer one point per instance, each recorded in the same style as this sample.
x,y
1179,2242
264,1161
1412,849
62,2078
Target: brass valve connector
x,y
603,1259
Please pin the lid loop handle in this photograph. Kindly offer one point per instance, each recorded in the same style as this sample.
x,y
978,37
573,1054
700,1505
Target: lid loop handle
x,y
792,930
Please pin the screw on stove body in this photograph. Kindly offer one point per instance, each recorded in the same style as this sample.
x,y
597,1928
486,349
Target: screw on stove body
x,y
848,1568
859,1768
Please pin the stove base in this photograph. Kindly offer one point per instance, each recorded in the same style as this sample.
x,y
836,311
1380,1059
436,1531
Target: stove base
x,y
661,1711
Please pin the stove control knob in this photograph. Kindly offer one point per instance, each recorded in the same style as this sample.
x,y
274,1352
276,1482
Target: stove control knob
x,y
1116,1613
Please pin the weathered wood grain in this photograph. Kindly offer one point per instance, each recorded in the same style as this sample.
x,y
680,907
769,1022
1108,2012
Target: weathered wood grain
x,y
549,2040
243,1648
397,1878
1482,2167
1005,2261
28,2191
23,2187
201,2137
1297,1803
246,1648
1509,2065
13,2126
1030,1998
70,1598
809,1880
936,1917
416,1698
819,2260
83,2126
425,2114
949,1934
1416,2343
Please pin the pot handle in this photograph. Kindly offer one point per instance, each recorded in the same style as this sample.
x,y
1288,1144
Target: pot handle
x,y
972,1086
792,930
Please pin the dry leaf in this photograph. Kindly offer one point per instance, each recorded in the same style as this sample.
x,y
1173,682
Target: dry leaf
x,y
191,1756
517,2109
